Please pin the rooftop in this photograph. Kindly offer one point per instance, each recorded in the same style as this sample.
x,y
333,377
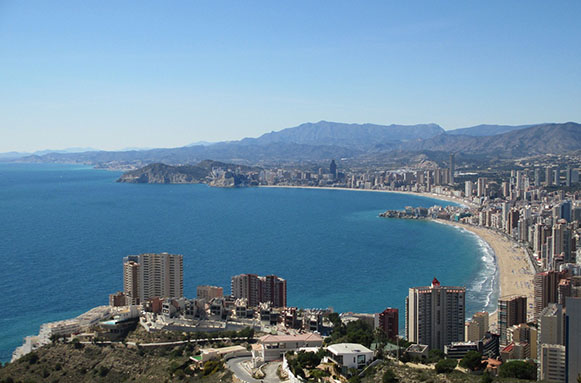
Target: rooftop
x,y
348,348
290,338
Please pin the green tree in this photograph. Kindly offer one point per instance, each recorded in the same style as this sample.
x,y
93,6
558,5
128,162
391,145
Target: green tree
x,y
435,355
446,366
308,359
579,378
518,369
472,361
335,319
389,376
246,332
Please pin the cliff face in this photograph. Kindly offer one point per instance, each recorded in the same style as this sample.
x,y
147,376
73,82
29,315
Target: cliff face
x,y
165,174
209,172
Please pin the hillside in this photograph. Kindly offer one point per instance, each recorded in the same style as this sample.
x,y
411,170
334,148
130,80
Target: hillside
x,y
360,136
486,130
536,140
324,141
89,363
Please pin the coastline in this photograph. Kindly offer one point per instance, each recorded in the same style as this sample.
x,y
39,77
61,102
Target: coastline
x,y
455,200
514,269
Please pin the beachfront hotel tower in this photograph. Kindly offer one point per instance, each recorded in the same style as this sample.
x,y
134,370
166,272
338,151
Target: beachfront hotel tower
x,y
147,276
435,315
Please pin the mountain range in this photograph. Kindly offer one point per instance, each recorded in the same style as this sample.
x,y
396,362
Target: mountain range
x,y
327,140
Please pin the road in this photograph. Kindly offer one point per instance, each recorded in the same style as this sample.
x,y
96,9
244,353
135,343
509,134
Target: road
x,y
235,365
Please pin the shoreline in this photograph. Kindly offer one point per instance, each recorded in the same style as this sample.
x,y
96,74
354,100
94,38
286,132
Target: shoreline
x,y
440,197
513,268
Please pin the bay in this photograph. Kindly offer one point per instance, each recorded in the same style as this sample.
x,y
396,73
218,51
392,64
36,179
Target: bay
x,y
65,229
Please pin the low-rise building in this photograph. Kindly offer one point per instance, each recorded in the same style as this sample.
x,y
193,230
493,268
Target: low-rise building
x,y
209,292
417,351
457,350
350,355
273,347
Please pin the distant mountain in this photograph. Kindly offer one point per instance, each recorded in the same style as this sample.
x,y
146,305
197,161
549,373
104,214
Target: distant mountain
x,y
16,155
535,140
12,155
486,130
325,140
202,143
67,150
360,136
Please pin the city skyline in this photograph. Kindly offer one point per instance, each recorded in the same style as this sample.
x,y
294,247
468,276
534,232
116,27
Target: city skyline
x,y
148,75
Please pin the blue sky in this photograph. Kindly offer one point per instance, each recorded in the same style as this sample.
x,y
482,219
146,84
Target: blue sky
x,y
115,74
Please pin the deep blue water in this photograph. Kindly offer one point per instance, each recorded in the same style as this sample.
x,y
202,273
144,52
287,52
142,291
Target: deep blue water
x,y
64,231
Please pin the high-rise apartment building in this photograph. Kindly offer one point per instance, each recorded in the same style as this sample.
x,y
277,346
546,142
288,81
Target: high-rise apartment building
x,y
153,275
552,363
573,339
257,289
477,327
274,290
435,315
131,280
551,325
209,292
452,169
511,310
468,188
546,286
481,186
387,321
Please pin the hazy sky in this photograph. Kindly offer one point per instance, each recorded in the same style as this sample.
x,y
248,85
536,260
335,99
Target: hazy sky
x,y
114,74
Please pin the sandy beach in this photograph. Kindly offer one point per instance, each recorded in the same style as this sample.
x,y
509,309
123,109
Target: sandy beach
x,y
514,268
421,194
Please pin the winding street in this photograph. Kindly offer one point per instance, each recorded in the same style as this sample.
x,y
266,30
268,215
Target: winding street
x,y
235,365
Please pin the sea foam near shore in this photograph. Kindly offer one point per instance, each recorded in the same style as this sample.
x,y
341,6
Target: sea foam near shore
x,y
485,286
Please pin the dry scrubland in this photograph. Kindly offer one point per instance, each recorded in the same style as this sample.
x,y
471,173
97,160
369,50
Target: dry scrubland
x,y
90,363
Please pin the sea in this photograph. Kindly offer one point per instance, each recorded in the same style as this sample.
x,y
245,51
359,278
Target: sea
x,y
64,230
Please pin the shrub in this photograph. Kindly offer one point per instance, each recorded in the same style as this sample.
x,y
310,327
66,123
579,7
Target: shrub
x,y
212,366
77,344
180,374
487,378
435,355
446,366
518,369
33,358
103,371
389,377
472,361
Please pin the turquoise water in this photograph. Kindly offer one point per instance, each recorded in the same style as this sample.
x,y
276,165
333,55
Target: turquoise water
x,y
65,229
